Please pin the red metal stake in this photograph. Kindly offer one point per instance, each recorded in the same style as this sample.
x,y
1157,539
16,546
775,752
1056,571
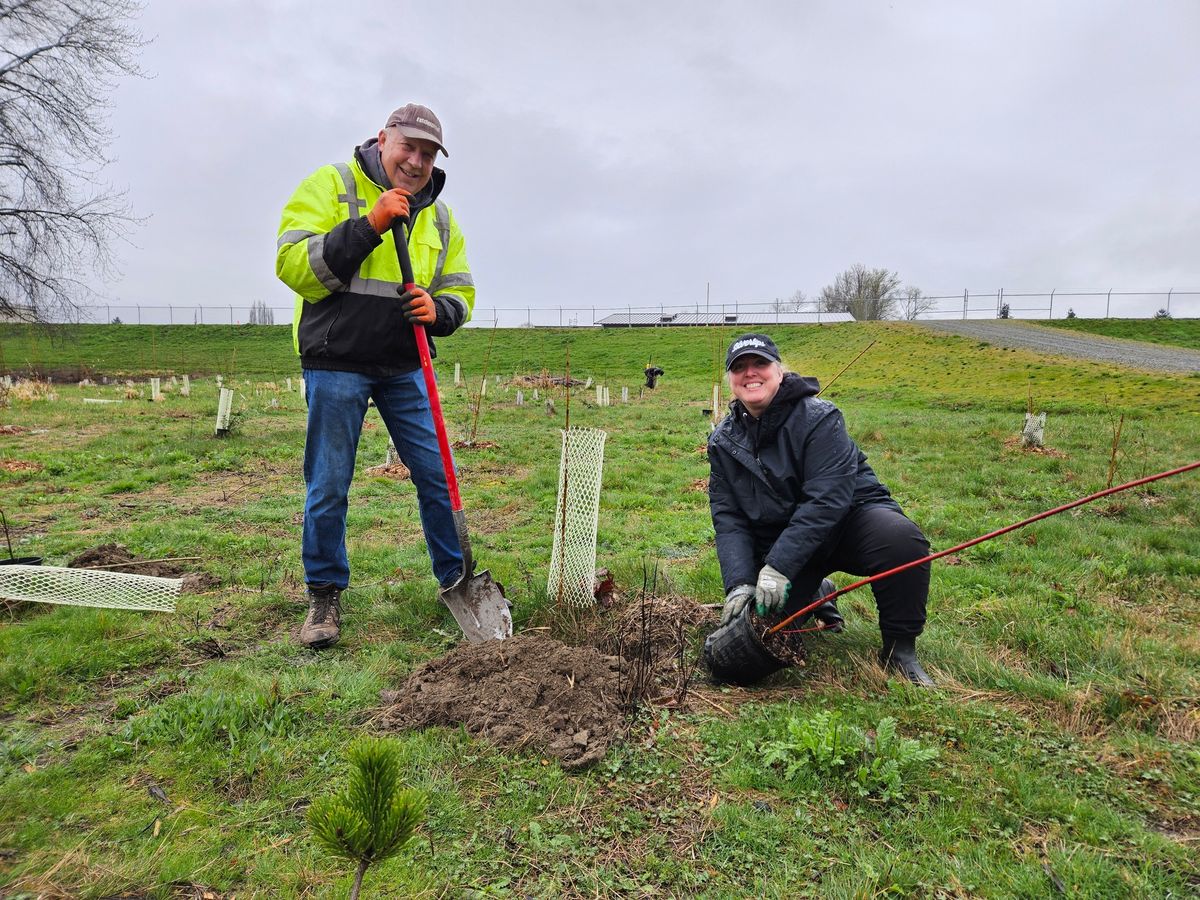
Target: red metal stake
x,y
980,540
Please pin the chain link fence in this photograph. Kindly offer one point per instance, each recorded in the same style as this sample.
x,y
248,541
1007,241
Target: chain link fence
x,y
965,304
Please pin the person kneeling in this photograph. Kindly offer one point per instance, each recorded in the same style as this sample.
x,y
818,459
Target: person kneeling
x,y
793,499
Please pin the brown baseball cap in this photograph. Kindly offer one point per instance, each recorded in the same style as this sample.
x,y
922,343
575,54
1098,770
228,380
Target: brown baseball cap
x,y
417,121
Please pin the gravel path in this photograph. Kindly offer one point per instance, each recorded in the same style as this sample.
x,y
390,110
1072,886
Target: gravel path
x,y
1057,341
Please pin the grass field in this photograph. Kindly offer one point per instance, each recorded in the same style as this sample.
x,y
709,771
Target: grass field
x,y
1065,725
1174,332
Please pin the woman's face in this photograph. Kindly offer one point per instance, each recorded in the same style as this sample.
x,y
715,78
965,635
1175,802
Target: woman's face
x,y
755,380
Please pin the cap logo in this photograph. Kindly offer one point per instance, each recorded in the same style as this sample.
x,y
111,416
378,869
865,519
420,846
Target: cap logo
x,y
749,342
426,122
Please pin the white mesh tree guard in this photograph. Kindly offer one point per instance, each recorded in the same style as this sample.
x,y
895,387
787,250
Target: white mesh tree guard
x,y
573,562
88,587
1034,431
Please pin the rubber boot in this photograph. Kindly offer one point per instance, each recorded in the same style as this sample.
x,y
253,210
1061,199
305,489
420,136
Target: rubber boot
x,y
899,654
829,617
827,613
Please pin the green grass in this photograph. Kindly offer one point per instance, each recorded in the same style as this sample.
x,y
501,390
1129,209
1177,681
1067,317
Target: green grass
x,y
1066,727
1173,332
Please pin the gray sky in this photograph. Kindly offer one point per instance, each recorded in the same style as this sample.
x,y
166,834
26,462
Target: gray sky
x,y
634,152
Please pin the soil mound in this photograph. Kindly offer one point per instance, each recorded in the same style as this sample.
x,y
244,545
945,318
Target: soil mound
x,y
115,558
529,691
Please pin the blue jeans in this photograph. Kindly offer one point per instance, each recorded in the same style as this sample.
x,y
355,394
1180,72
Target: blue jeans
x,y
337,403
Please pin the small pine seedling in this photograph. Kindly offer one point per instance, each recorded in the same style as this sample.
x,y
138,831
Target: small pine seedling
x,y
373,819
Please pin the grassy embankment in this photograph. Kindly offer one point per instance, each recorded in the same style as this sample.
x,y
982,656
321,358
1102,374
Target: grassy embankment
x,y
1066,724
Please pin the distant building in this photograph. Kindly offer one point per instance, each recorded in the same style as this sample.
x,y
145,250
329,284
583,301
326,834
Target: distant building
x,y
755,319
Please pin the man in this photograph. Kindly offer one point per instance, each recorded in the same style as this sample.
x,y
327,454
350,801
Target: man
x,y
793,499
353,331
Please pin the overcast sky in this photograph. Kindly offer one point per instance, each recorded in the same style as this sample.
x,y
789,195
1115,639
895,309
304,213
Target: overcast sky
x,y
613,153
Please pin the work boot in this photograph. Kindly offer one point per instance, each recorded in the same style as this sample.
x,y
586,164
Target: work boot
x,y
322,625
899,654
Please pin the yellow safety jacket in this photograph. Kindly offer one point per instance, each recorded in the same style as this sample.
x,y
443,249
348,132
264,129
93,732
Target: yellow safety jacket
x,y
345,276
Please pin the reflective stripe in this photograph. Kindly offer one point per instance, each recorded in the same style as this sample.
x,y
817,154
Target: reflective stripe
x,y
453,280
350,198
374,287
441,218
292,237
316,262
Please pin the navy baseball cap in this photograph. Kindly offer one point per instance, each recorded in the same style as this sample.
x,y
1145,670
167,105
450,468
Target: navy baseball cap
x,y
758,344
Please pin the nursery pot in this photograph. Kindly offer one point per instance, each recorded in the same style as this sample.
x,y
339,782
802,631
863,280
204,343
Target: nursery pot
x,y
22,561
735,654
740,652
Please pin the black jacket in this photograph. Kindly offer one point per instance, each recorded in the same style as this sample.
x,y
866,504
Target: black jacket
x,y
781,485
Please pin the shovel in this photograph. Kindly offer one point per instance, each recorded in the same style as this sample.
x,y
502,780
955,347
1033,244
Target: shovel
x,y
476,600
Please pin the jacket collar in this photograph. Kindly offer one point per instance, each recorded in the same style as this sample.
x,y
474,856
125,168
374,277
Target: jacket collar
x,y
792,390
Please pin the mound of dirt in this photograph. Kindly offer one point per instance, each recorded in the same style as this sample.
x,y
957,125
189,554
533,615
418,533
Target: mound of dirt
x,y
529,691
115,558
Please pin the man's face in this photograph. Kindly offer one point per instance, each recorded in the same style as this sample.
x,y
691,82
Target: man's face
x,y
407,161
755,380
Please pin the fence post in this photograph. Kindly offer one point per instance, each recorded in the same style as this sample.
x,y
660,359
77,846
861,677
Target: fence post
x,y
170,314
1108,303
1052,290
139,309
1169,293
999,301
231,315
964,303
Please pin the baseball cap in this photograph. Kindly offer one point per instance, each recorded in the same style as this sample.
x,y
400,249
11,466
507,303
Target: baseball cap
x,y
417,121
758,344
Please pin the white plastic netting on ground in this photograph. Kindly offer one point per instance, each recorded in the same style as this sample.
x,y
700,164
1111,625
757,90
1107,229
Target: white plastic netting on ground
x,y
573,562
88,587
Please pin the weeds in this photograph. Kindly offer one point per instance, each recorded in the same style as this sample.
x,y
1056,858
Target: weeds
x,y
866,764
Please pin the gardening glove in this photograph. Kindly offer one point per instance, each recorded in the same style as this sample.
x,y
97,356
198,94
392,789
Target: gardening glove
x,y
735,601
418,307
772,590
391,204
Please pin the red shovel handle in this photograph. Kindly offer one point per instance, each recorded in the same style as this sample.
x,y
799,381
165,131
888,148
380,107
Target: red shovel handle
x,y
435,406
400,233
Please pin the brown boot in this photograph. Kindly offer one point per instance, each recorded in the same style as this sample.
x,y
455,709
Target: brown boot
x,y
322,626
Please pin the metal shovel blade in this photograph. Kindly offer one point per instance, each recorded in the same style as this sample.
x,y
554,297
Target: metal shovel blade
x,y
480,608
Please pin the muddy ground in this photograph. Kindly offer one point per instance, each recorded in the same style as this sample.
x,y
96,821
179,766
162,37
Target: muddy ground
x,y
566,701
115,558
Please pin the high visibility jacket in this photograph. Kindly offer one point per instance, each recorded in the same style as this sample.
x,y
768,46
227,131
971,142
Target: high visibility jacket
x,y
347,313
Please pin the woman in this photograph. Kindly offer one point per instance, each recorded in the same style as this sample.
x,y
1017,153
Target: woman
x,y
793,499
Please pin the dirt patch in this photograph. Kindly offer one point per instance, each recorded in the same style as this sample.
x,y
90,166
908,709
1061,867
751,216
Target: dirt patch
x,y
1013,444
19,465
544,380
13,429
115,558
528,692
474,445
397,470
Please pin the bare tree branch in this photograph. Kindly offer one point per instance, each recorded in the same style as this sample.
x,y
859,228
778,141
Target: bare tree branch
x,y
59,62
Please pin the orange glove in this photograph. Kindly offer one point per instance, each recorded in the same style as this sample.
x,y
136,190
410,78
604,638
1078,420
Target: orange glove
x,y
418,307
391,204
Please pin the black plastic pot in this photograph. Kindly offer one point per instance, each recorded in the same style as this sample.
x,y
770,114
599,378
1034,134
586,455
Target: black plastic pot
x,y
22,561
737,654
